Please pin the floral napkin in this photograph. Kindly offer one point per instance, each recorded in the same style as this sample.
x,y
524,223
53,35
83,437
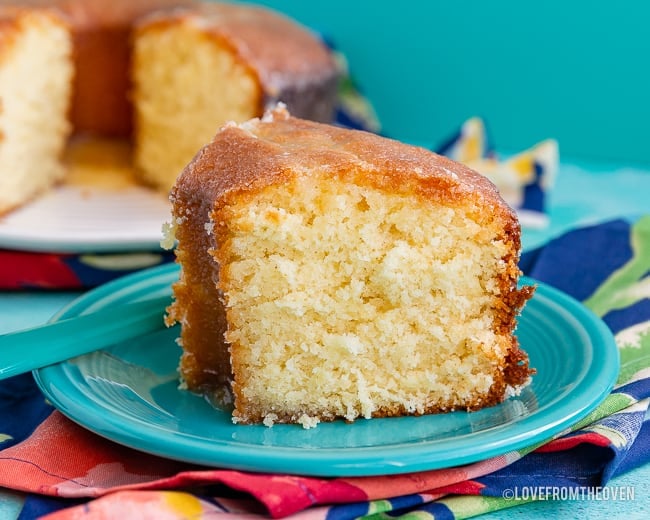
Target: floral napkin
x,y
69,473
524,179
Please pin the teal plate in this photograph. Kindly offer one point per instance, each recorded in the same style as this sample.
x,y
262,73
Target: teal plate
x,y
129,393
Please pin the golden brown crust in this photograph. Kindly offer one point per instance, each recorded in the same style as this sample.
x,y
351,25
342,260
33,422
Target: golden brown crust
x,y
249,157
291,65
281,52
206,360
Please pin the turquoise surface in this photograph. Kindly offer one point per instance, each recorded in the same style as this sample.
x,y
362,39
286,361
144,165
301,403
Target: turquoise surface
x,y
130,396
574,71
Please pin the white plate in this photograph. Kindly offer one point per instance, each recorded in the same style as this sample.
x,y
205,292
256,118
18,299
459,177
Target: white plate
x,y
73,219
101,208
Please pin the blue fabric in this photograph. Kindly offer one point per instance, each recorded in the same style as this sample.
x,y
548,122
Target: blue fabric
x,y
580,260
22,408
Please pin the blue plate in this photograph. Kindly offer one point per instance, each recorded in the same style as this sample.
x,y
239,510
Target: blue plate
x,y
129,394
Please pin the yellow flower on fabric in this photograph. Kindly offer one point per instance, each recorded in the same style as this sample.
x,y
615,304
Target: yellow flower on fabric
x,y
184,504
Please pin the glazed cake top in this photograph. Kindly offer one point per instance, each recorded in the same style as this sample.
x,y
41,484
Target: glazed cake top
x,y
261,152
277,48
96,13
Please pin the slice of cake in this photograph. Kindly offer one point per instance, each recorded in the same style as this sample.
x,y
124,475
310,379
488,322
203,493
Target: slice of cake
x,y
35,89
329,273
196,68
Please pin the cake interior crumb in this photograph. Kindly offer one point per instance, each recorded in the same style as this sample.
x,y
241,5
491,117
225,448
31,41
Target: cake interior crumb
x,y
216,86
348,301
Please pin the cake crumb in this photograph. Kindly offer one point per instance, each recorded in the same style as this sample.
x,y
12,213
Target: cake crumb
x,y
307,421
168,235
269,420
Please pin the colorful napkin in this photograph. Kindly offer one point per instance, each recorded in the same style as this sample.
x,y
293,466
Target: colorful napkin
x,y
35,270
69,472
524,180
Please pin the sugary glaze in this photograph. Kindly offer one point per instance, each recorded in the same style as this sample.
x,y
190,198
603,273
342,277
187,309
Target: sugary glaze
x,y
238,167
100,163
266,153
289,63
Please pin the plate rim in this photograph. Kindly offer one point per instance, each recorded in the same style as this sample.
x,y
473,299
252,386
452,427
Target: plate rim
x,y
368,461
87,242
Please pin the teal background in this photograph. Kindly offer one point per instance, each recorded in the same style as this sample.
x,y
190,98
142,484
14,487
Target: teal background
x,y
577,71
